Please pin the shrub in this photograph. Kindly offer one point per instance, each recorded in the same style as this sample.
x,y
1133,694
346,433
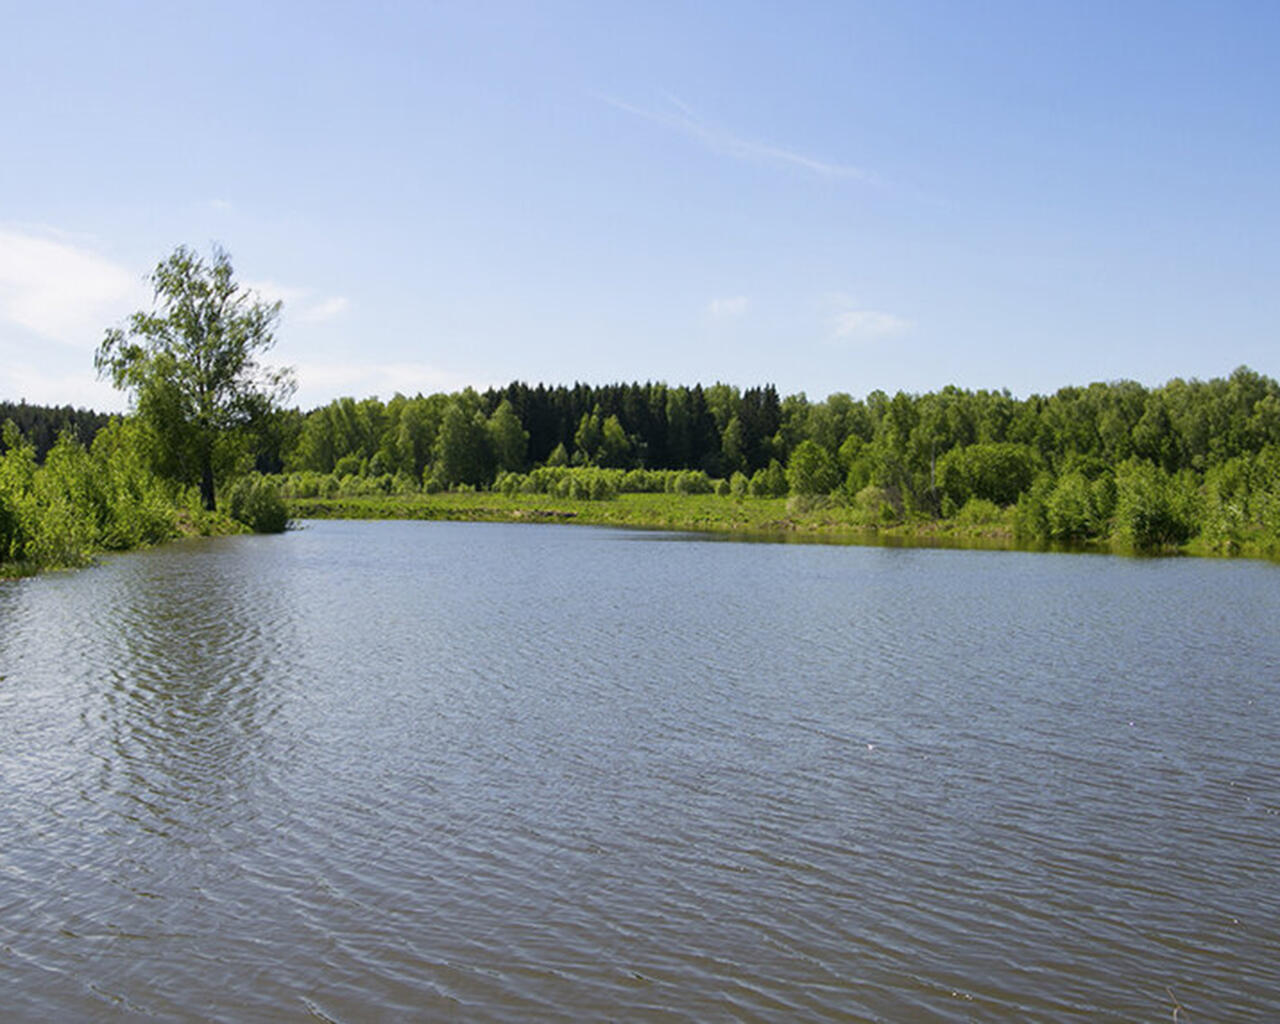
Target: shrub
x,y
1155,509
812,470
255,501
878,505
979,512
999,472
348,465
770,482
692,481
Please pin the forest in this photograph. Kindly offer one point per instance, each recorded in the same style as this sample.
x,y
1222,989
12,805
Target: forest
x,y
1149,467
1114,463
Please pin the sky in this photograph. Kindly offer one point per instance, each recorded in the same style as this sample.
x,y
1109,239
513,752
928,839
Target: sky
x,y
828,197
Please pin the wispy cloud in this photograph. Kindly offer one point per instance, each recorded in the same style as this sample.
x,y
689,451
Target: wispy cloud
x,y
301,303
62,290
320,382
854,324
273,291
64,381
326,309
680,117
728,308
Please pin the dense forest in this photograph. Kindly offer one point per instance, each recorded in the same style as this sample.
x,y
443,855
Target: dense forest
x,y
1152,467
41,425
917,444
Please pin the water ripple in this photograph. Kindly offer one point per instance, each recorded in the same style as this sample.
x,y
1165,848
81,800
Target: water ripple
x,y
444,771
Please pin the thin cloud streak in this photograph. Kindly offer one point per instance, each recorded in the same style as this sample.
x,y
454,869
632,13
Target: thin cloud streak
x,y
325,310
321,382
728,308
686,121
299,302
868,323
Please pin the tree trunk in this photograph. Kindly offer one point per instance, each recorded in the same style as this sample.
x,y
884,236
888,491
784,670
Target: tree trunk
x,y
206,485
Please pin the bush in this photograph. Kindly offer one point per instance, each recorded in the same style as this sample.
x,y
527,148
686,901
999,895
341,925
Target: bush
x,y
1155,509
998,472
1031,514
812,470
692,481
348,465
877,505
1069,509
979,512
770,482
255,501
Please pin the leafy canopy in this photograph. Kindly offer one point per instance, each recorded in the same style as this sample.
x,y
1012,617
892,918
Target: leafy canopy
x,y
191,365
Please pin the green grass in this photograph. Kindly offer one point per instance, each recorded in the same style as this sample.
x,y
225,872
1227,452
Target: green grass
x,y
775,518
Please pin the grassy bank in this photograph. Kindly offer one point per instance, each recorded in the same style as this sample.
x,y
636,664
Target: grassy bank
x,y
80,502
777,518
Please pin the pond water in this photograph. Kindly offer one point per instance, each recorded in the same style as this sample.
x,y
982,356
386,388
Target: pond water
x,y
391,771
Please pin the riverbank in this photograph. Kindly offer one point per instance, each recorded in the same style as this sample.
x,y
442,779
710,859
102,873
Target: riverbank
x,y
766,519
180,522
777,519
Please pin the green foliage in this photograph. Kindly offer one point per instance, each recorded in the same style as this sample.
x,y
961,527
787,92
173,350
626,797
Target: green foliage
x,y
464,451
594,483
79,502
507,438
979,512
134,507
1031,514
770,482
615,445
1155,509
1079,508
191,365
997,472
255,501
1052,462
930,454
348,465
691,482
17,476
812,470
587,439
732,446
42,425
877,505
559,456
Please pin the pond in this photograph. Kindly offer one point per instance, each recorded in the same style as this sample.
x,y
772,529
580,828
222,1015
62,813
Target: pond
x,y
405,770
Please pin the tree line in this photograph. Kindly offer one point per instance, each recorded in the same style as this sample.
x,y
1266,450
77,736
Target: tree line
x,y
42,425
1152,466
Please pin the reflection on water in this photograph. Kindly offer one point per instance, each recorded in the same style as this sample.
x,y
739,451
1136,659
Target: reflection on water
x,y
424,770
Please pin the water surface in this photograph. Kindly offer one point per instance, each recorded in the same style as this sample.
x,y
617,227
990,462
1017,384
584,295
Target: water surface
x,y
389,771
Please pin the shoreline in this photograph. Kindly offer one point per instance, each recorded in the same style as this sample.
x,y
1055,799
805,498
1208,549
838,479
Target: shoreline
x,y
749,519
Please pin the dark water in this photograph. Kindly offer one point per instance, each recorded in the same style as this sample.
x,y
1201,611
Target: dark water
x,y
414,771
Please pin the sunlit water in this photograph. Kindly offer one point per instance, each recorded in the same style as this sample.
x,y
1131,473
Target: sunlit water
x,y
414,771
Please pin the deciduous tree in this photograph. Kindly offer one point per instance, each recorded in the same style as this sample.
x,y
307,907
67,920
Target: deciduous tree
x,y
191,365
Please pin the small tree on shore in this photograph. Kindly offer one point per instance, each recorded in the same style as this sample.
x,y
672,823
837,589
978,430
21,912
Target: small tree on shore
x,y
191,365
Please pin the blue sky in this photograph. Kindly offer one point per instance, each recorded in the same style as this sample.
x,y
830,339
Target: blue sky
x,y
829,197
